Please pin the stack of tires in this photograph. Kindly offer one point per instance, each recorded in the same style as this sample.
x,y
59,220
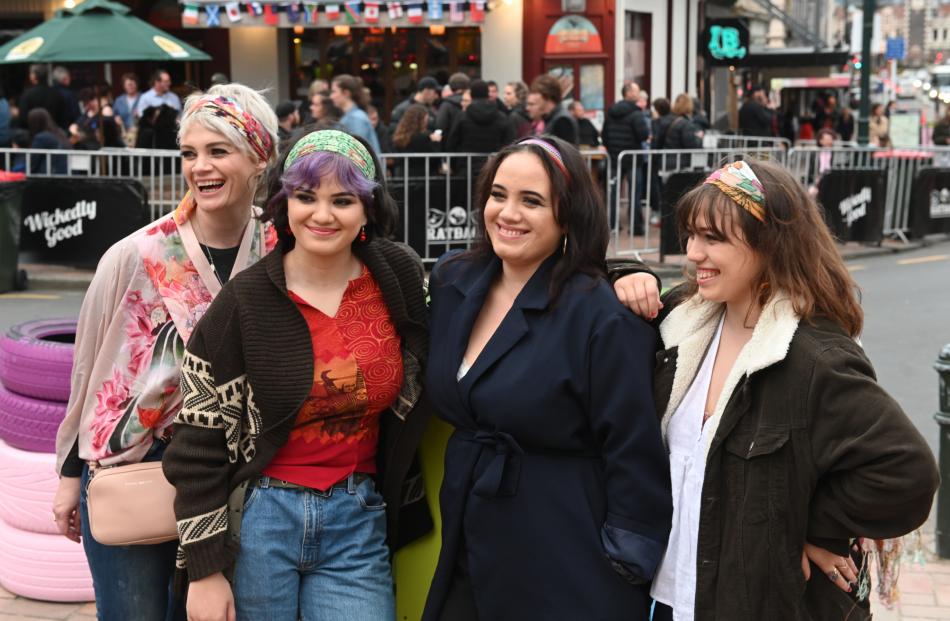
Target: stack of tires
x,y
35,560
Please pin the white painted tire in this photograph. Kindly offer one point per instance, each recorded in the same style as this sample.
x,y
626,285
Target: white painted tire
x,y
44,567
28,484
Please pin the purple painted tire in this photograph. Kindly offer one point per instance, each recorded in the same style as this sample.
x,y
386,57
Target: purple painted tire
x,y
36,358
29,424
45,567
28,483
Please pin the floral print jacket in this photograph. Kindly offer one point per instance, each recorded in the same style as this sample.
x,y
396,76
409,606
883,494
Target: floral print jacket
x,y
149,291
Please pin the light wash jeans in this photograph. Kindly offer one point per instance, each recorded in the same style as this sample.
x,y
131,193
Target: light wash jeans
x,y
314,555
131,582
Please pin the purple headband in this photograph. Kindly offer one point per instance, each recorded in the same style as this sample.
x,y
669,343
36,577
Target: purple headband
x,y
550,150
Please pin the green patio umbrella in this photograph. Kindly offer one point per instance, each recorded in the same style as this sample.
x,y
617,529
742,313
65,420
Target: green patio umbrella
x,y
96,31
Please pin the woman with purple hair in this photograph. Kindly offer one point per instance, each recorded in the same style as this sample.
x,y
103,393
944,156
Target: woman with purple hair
x,y
301,386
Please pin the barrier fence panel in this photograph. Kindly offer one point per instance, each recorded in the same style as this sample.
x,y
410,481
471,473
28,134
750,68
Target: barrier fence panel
x,y
900,168
752,143
655,180
159,171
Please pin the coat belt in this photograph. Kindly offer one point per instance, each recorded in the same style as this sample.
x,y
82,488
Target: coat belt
x,y
498,468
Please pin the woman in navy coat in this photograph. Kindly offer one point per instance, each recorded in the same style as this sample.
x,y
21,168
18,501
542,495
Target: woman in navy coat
x,y
556,498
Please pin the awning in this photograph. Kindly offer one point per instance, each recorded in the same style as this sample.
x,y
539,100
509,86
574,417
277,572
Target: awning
x,y
794,57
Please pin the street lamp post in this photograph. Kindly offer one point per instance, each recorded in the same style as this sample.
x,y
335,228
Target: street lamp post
x,y
867,28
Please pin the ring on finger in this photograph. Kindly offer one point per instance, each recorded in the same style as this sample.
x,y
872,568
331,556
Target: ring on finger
x,y
833,575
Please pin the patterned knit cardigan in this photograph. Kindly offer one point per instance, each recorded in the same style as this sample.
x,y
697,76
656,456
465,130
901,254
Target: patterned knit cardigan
x,y
248,369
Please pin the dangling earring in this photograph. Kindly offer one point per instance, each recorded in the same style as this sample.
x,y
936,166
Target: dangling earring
x,y
363,233
564,247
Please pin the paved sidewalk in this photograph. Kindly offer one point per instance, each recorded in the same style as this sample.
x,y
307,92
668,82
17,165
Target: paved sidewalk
x,y
925,595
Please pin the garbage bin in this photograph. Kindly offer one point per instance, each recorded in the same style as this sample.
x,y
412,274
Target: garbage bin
x,y
11,194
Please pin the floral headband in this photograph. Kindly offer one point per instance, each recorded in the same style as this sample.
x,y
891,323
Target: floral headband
x,y
551,151
334,141
226,108
738,181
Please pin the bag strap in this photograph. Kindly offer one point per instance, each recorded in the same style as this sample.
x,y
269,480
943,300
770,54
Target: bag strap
x,y
235,516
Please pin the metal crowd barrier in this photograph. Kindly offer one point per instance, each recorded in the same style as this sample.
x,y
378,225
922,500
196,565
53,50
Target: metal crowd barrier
x,y
647,175
158,170
434,191
900,166
735,141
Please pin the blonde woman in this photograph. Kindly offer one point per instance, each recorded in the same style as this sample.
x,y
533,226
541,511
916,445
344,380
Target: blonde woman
x,y
149,291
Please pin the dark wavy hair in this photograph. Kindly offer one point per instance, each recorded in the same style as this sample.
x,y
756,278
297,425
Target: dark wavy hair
x,y
307,171
799,254
578,209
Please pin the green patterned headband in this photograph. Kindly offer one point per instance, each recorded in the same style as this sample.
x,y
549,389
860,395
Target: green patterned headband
x,y
334,141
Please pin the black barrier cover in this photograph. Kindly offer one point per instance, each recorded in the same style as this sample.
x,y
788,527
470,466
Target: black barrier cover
x,y
853,201
930,202
71,221
675,186
447,225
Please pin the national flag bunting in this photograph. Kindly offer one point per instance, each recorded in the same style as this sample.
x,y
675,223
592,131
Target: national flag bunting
x,y
414,11
212,15
435,10
311,12
293,12
477,10
352,8
455,12
371,12
270,15
233,9
256,9
333,11
394,9
190,15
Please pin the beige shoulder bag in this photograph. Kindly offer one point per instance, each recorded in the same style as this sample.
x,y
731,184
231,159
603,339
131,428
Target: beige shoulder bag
x,y
131,505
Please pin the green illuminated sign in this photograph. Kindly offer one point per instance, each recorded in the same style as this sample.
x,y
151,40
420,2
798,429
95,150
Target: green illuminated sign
x,y
725,43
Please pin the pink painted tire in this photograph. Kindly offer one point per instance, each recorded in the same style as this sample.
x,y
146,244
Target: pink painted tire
x,y
36,358
29,424
45,567
28,484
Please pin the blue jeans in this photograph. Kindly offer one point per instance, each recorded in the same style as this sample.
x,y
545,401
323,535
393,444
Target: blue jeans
x,y
307,554
131,582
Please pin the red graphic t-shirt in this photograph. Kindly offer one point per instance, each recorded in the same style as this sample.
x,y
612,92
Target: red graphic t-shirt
x,y
357,374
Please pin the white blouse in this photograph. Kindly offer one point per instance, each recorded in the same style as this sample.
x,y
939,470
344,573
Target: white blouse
x,y
675,582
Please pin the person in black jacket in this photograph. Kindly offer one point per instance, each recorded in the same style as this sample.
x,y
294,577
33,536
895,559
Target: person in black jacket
x,y
427,93
516,93
755,118
451,106
587,133
626,128
682,134
481,128
545,109
41,95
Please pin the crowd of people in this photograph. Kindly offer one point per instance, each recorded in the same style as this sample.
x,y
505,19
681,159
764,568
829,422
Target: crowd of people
x,y
759,117
720,452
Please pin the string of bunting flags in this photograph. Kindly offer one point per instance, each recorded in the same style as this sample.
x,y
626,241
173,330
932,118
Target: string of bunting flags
x,y
349,12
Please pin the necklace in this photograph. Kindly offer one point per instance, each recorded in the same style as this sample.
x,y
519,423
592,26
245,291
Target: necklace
x,y
207,252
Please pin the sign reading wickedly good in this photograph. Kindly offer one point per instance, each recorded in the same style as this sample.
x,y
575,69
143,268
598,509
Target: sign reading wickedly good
x,y
930,202
69,221
853,201
725,41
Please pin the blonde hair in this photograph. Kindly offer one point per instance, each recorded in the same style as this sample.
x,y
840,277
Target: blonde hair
x,y
251,101
683,104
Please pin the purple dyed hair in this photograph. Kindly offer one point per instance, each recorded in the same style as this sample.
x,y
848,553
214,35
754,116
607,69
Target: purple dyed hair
x,y
307,172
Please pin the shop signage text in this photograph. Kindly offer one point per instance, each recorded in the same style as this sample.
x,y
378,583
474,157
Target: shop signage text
x,y
726,41
62,223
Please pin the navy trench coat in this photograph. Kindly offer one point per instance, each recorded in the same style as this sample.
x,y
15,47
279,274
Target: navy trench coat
x,y
557,485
